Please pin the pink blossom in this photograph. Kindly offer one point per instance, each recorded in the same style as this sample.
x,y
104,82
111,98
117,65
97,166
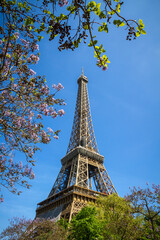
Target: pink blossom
x,y
56,137
18,122
11,162
45,89
104,68
7,113
26,169
59,86
45,138
24,42
35,47
32,175
16,35
61,112
15,86
20,165
34,58
43,106
54,100
23,105
11,181
39,116
29,60
50,130
35,137
54,86
51,110
31,72
62,3
30,170
4,49
46,111
54,114
31,114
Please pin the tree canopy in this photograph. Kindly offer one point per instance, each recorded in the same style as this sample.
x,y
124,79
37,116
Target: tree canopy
x,y
135,217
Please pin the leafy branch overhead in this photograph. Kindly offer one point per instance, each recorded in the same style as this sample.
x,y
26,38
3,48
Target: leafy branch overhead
x,y
90,17
71,22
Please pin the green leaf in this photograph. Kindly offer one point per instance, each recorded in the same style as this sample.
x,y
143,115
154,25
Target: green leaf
x,y
30,28
122,24
40,37
138,33
100,29
102,50
71,8
93,3
111,12
116,0
117,22
85,26
76,44
98,5
95,42
106,29
46,11
140,22
90,44
143,31
63,17
98,12
102,15
104,57
118,7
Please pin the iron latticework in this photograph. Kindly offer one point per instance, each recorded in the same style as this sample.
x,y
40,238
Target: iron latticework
x,y
82,175
82,130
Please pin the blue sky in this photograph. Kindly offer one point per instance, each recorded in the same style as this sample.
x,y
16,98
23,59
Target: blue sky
x,y
125,108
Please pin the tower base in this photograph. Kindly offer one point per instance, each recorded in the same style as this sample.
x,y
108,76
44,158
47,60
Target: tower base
x,y
66,203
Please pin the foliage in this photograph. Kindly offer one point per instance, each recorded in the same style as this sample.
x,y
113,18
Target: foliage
x,y
45,230
24,99
85,225
21,229
146,204
116,217
32,19
136,216
16,228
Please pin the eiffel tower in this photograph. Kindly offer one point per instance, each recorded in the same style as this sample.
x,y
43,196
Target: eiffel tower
x,y
82,176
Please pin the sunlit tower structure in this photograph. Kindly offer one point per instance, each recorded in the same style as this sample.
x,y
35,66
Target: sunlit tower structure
x,y
82,176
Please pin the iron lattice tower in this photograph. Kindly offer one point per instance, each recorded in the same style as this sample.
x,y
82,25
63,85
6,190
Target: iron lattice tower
x,y
82,175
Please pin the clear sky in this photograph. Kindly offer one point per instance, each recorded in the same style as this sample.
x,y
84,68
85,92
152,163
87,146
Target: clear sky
x,y
125,108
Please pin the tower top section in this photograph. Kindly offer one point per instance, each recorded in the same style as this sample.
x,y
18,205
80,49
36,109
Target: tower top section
x,y
82,78
82,130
